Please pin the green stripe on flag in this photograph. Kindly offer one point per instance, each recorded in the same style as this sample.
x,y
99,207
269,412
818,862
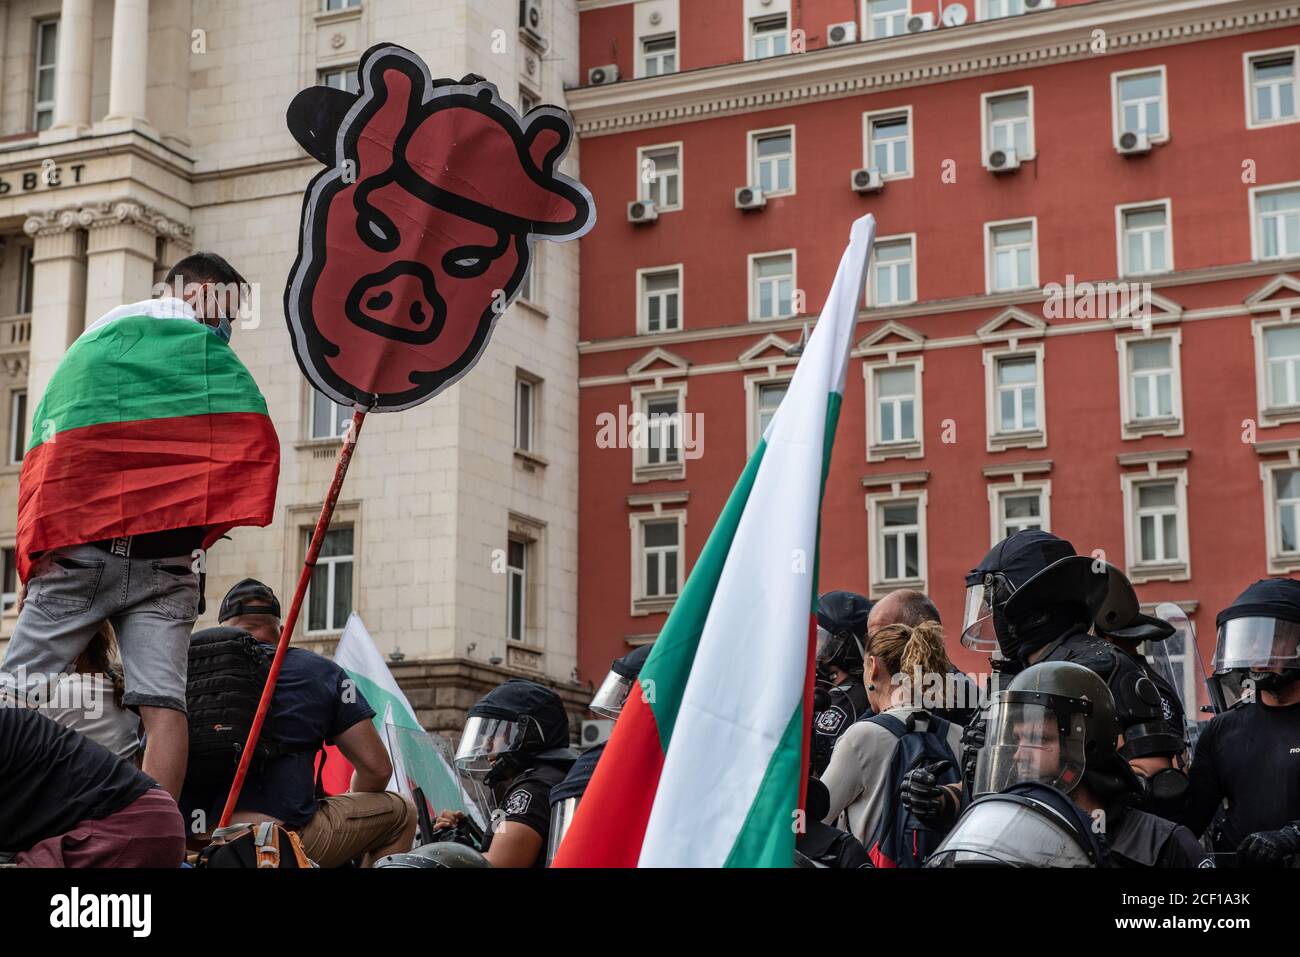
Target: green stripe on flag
x,y
766,839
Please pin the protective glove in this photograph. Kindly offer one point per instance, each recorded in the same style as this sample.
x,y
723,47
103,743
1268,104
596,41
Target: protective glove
x,y
972,739
921,793
1269,848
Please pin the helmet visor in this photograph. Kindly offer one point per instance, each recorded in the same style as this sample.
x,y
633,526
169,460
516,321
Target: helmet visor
x,y
486,739
1002,833
977,630
612,695
1257,644
562,813
841,649
1032,738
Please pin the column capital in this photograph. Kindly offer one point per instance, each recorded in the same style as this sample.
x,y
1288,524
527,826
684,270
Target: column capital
x,y
93,216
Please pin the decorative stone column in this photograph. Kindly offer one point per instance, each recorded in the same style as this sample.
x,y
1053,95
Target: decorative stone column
x,y
72,80
122,252
128,73
58,296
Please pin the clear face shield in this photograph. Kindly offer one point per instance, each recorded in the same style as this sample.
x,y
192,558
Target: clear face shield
x,y
830,644
562,813
1247,645
1032,737
977,631
612,695
1005,833
485,740
1180,647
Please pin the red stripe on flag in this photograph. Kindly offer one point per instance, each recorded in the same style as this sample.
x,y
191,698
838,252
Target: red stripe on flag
x,y
609,827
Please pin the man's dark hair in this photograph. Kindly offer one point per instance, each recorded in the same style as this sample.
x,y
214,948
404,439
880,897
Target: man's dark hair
x,y
916,607
204,267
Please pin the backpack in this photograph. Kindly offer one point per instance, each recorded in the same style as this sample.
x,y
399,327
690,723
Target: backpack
x,y
227,672
901,838
264,845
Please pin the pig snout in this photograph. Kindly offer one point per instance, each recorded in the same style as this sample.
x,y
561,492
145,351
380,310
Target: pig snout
x,y
400,302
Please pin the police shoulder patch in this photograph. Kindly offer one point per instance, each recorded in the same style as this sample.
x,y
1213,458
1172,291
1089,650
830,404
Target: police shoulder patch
x,y
831,720
518,801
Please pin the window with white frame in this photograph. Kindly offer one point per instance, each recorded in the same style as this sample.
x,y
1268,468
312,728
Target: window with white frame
x,y
889,144
517,588
1008,123
663,432
1140,103
1282,365
1285,483
1012,257
895,401
892,272
525,413
773,161
1019,510
339,4
768,36
339,78
9,573
26,278
660,300
329,591
1271,86
886,18
329,420
767,398
1017,394
1277,223
1151,378
46,59
1156,518
1146,240
660,175
772,281
996,9
660,558
898,530
17,425
659,55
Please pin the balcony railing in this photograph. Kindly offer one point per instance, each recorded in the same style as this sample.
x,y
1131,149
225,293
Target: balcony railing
x,y
15,334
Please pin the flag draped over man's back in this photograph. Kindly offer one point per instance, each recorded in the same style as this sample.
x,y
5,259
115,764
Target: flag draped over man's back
x,y
149,423
706,764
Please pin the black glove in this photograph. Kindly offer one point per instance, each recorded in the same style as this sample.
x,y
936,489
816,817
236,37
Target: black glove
x,y
1269,848
923,796
972,739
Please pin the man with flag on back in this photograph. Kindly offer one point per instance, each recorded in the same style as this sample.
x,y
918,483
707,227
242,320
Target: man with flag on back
x,y
151,442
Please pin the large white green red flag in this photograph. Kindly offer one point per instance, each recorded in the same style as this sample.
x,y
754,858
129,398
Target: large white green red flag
x,y
706,764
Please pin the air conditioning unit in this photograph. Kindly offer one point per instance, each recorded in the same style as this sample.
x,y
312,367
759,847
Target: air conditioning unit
x,y
602,75
1003,161
1133,144
750,197
920,22
1039,4
866,181
839,33
594,732
530,19
642,211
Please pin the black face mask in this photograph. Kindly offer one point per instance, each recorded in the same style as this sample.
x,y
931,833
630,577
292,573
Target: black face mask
x,y
1166,791
1272,681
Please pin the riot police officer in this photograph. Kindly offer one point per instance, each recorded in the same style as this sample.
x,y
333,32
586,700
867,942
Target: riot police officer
x,y
841,636
1249,754
1056,726
516,740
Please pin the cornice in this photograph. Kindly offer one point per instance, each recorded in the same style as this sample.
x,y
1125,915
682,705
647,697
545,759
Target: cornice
x,y
975,49
99,215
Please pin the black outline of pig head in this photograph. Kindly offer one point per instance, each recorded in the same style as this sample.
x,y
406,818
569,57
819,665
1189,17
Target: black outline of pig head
x,y
328,124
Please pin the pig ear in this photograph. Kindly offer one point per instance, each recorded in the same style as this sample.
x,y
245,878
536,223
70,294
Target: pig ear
x,y
547,140
314,117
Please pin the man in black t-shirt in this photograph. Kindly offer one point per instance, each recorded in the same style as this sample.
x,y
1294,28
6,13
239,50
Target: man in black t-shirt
x,y
66,801
314,702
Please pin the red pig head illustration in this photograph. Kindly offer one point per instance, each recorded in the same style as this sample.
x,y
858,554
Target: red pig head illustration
x,y
419,231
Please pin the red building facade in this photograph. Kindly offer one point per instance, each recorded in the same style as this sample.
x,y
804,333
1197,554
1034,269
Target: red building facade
x,y
1083,312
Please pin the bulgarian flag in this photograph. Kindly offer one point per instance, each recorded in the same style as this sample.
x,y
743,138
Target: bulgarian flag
x,y
706,766
149,423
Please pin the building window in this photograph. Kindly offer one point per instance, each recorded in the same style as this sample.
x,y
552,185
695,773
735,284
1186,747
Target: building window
x,y
661,559
768,396
1282,365
339,4
772,286
892,273
47,52
17,425
1156,513
897,548
661,300
329,420
996,9
886,18
1151,398
1271,87
516,589
1277,223
889,143
768,37
1012,256
1286,503
1145,240
1140,105
1017,400
773,161
525,413
660,175
9,598
329,592
26,279
339,78
1018,508
1008,123
659,55
894,392
658,437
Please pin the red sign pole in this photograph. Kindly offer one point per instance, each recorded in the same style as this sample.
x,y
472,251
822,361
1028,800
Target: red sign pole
x,y
291,620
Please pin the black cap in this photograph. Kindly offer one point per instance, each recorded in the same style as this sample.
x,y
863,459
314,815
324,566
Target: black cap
x,y
1267,598
249,597
1021,556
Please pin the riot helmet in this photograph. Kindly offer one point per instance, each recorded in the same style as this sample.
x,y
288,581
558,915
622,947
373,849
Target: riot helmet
x,y
443,854
619,681
512,721
1054,721
1074,592
1007,566
1258,641
842,632
1028,825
